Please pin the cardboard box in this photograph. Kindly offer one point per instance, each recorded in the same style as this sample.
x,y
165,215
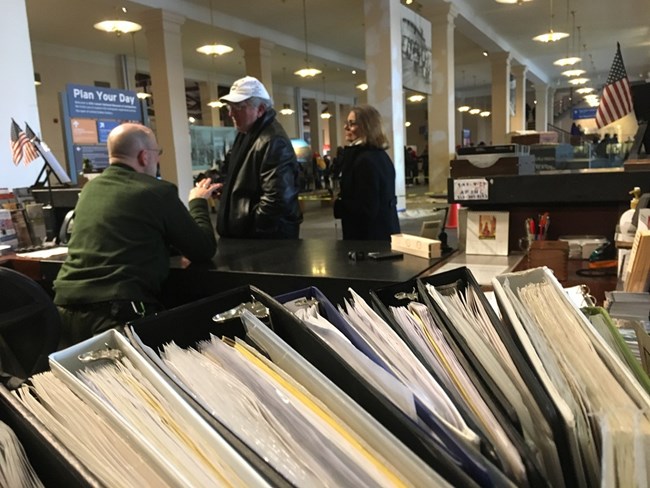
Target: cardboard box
x,y
552,254
415,245
534,138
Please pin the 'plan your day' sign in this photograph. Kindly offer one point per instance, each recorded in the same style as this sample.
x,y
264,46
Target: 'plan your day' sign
x,y
92,102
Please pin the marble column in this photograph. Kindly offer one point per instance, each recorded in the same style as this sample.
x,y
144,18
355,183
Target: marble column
x,y
20,101
441,103
518,121
258,57
500,62
208,91
383,40
541,108
163,31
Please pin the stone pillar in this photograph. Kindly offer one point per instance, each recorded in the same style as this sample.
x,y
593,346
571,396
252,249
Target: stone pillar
x,y
20,101
383,40
441,103
336,124
551,105
258,57
500,97
519,119
314,124
208,92
541,108
163,31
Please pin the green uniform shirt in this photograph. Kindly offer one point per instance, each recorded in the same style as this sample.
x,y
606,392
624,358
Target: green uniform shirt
x,y
123,227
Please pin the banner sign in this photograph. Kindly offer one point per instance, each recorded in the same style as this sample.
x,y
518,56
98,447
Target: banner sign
x,y
584,113
92,102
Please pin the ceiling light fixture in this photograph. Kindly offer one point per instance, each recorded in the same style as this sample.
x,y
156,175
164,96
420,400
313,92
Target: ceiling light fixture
x,y
306,72
573,72
142,95
362,86
287,110
475,111
584,90
551,35
325,114
118,27
464,108
518,2
578,81
407,124
214,49
485,113
486,54
570,59
216,104
415,98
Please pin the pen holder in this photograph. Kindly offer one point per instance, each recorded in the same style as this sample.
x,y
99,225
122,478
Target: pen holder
x,y
553,255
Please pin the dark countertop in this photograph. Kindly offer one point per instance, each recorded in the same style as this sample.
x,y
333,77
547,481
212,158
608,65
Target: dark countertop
x,y
281,266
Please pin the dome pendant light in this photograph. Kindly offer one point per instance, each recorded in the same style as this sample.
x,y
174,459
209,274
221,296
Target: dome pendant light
x,y
307,71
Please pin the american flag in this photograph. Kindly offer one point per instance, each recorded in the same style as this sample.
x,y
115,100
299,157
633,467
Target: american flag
x,y
616,101
29,150
18,142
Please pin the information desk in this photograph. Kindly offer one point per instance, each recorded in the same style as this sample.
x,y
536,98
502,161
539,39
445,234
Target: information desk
x,y
278,267
586,202
281,266
275,266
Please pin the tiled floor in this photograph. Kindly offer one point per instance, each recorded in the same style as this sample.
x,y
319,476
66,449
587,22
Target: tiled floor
x,y
319,222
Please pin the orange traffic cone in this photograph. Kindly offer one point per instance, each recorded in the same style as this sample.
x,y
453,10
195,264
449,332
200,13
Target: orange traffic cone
x,y
452,217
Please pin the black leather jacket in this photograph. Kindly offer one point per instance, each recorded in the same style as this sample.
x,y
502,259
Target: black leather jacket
x,y
260,195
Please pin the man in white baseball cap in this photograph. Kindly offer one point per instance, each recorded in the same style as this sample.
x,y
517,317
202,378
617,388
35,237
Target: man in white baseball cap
x,y
260,193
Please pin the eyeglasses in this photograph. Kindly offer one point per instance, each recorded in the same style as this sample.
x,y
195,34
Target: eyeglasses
x,y
350,123
238,107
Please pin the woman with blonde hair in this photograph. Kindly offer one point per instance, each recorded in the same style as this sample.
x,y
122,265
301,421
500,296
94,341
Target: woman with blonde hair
x,y
366,205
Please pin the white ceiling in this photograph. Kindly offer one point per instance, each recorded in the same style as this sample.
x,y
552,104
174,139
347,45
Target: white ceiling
x,y
336,35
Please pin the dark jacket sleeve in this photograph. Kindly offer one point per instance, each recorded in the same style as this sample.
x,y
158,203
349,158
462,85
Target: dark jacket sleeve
x,y
191,232
278,184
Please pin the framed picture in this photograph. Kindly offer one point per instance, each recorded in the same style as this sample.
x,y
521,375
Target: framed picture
x,y
487,233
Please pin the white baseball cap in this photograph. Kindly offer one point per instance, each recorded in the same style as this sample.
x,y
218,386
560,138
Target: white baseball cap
x,y
244,88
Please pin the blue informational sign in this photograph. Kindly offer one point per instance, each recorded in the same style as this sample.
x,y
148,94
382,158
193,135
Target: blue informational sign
x,y
96,154
104,127
93,102
584,113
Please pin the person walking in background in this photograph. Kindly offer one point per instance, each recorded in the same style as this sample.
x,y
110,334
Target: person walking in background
x,y
366,204
125,222
260,193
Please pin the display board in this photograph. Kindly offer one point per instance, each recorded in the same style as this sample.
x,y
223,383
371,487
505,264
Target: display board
x,y
89,114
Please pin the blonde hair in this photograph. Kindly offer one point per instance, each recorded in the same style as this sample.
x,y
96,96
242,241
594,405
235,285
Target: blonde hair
x,y
368,121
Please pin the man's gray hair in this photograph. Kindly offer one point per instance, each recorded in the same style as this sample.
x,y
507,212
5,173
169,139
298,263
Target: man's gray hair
x,y
257,101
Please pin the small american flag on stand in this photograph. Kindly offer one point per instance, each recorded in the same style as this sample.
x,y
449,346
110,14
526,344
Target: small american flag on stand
x,y
616,101
30,148
22,149
18,140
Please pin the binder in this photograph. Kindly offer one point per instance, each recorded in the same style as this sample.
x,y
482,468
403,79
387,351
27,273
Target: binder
x,y
385,297
66,363
52,461
150,333
476,467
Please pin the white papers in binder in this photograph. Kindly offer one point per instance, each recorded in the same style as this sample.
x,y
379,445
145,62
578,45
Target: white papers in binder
x,y
374,374
404,364
217,459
